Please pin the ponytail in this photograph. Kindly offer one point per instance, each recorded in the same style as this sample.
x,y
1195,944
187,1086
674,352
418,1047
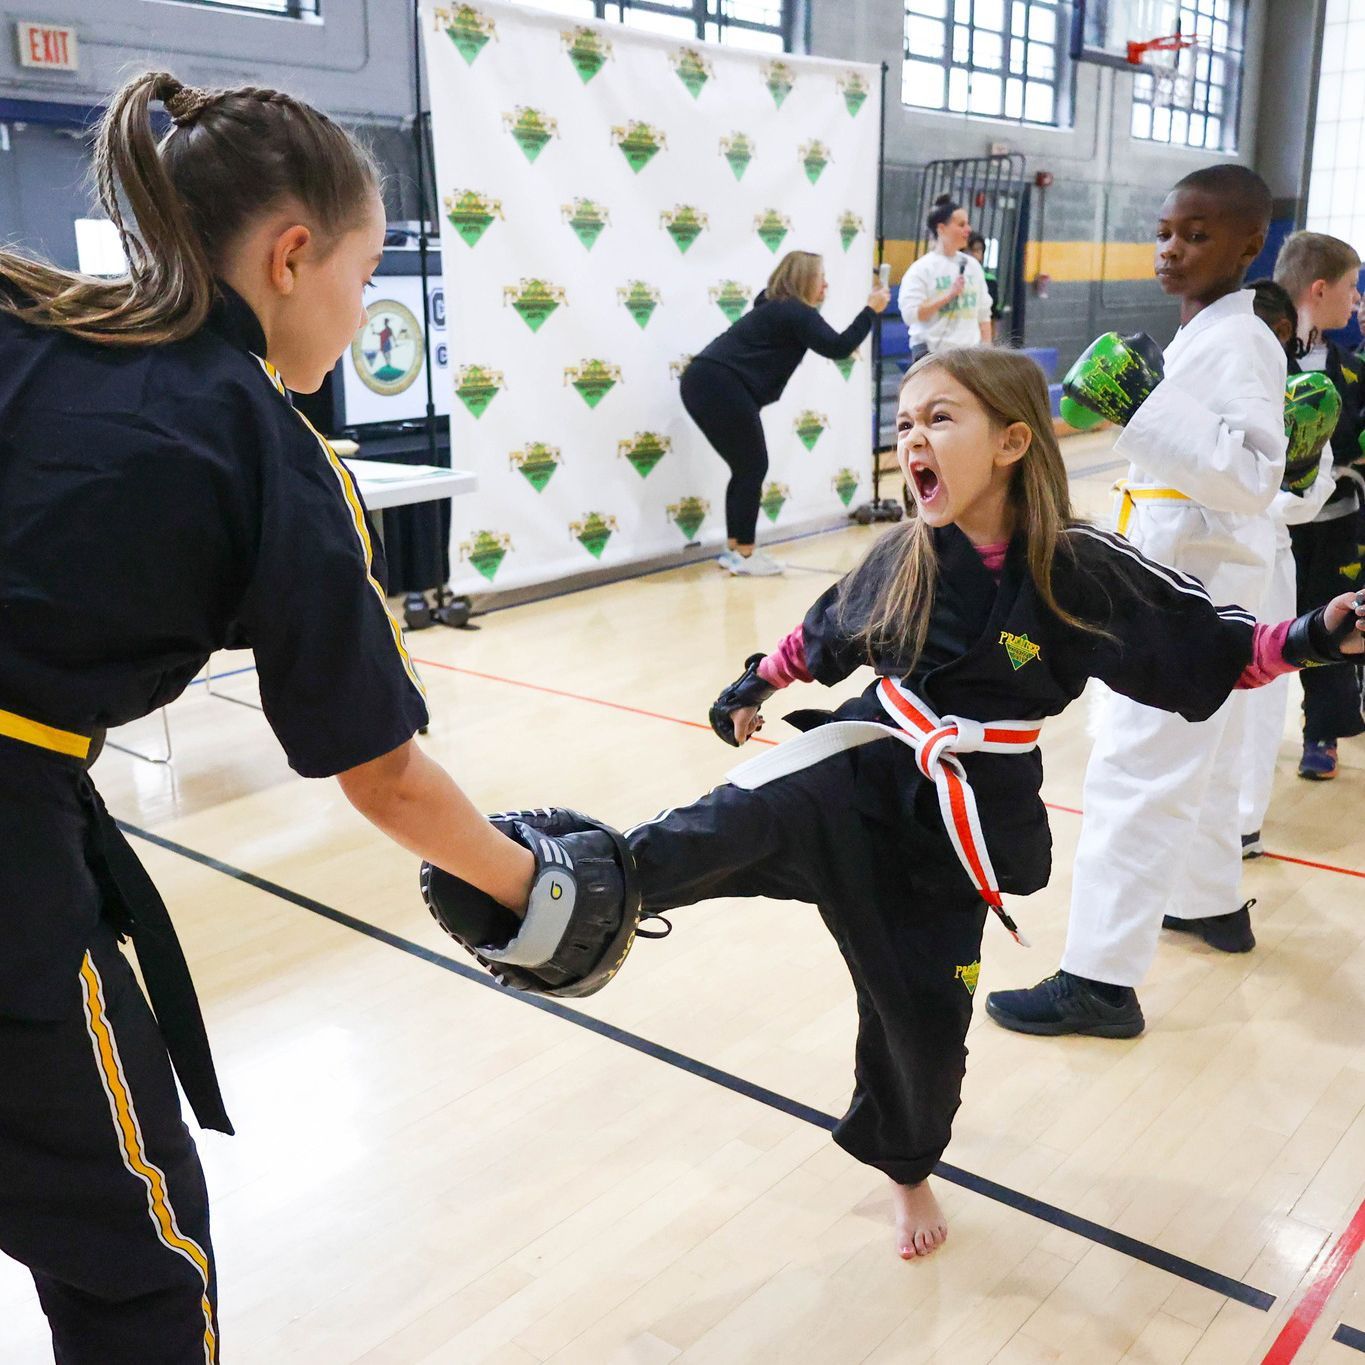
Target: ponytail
x,y
229,157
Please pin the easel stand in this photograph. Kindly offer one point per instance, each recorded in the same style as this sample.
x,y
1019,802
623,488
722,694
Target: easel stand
x,y
437,606
879,508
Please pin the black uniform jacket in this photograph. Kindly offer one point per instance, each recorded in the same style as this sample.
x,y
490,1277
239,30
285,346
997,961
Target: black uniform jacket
x,y
997,652
767,344
1347,372
157,504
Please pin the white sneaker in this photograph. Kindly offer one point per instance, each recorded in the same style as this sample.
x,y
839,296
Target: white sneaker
x,y
728,559
757,565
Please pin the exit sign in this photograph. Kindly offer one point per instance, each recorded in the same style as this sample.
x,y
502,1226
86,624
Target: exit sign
x,y
48,46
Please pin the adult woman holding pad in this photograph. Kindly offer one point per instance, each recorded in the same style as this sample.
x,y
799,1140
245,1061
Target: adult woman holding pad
x,y
746,368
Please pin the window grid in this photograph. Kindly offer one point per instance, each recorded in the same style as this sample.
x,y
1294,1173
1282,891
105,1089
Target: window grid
x,y
288,9
760,24
1336,186
1204,111
1002,59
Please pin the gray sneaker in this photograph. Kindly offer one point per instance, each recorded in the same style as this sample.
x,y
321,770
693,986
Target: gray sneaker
x,y
756,565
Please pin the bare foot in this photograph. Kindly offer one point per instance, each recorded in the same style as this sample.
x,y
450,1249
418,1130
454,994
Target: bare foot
x,y
921,1227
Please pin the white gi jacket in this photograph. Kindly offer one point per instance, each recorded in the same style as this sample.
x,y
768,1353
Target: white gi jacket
x,y
1212,431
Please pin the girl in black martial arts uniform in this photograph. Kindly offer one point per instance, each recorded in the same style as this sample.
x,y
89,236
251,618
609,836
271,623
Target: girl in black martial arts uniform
x,y
746,368
160,499
992,602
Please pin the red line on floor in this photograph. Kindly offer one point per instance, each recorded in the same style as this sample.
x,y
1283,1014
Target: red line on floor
x,y
574,696
1330,1267
758,739
1308,862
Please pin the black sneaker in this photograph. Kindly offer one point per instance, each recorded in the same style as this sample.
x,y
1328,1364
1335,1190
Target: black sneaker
x,y
1252,847
1230,933
1064,1003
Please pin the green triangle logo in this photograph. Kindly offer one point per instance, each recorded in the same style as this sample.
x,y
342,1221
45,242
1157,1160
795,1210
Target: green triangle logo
x,y
845,365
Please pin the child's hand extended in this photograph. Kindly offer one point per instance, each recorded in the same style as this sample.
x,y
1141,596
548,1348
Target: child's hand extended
x,y
746,720
1337,613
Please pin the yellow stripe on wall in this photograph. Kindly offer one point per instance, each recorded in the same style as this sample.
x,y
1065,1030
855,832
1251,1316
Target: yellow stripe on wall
x,y
1064,261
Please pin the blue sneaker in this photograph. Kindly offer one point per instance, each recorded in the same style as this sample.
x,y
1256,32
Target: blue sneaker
x,y
1318,762
1064,1003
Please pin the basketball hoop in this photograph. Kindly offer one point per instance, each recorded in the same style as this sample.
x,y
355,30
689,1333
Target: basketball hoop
x,y
1164,59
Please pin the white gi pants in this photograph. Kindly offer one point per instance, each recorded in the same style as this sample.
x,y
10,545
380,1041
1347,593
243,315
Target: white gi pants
x,y
1160,833
1266,706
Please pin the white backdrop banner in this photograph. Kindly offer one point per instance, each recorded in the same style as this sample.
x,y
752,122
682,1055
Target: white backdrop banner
x,y
612,200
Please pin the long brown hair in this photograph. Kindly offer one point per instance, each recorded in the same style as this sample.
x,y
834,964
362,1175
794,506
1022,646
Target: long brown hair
x,y
796,276
229,156
1012,389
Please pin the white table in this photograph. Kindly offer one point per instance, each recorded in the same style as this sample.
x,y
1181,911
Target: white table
x,y
382,485
397,485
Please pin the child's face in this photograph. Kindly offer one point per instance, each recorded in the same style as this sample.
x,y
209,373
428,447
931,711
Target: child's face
x,y
325,303
956,460
1203,248
1333,304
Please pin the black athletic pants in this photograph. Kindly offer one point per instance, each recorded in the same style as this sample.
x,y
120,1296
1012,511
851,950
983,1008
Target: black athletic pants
x,y
1331,696
101,1191
717,401
913,952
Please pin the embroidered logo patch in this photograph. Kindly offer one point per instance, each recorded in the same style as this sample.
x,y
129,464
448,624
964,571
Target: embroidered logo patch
x,y
1020,648
969,975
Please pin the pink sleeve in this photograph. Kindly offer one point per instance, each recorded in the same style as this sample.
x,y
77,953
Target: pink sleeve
x,y
787,663
1267,657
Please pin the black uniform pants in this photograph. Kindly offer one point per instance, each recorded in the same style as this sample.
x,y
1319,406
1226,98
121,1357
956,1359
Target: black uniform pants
x,y
913,951
101,1191
1331,696
717,401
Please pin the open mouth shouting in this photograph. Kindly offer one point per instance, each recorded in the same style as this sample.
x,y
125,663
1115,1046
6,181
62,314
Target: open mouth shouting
x,y
926,483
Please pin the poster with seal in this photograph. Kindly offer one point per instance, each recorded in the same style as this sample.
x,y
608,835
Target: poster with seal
x,y
383,373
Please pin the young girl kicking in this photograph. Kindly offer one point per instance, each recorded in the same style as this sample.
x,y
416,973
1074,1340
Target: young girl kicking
x,y
992,602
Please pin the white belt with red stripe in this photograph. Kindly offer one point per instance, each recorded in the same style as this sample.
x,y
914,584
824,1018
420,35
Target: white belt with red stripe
x,y
936,742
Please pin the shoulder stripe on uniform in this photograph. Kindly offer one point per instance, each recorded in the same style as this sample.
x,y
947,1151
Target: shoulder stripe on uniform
x,y
362,530
1181,582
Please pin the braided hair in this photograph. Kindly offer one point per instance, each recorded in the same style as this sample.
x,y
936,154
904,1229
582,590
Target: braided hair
x,y
180,204
1271,303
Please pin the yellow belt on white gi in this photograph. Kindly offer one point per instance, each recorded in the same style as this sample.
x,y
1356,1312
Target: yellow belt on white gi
x,y
936,741
1130,496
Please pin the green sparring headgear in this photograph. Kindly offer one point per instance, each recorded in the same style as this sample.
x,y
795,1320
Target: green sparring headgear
x,y
1312,406
1114,376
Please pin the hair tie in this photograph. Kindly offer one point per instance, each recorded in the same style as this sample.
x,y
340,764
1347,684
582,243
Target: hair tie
x,y
184,104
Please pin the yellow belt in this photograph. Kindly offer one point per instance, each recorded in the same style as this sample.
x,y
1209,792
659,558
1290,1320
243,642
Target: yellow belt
x,y
1129,497
42,736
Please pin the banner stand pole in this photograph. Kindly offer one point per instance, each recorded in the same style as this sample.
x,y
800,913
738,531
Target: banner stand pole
x,y
879,508
449,610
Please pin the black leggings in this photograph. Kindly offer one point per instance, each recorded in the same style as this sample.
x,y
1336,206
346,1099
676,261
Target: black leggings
x,y
1327,556
717,401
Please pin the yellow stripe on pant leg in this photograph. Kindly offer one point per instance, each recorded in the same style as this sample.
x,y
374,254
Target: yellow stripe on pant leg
x,y
131,1147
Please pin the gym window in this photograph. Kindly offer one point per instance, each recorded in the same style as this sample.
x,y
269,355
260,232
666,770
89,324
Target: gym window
x,y
763,25
287,9
1336,186
1199,109
990,58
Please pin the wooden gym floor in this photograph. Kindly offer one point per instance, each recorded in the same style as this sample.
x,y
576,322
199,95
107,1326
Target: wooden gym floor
x,y
429,1169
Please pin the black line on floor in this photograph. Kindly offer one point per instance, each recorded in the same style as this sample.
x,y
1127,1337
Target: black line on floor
x,y
1350,1336
1002,1194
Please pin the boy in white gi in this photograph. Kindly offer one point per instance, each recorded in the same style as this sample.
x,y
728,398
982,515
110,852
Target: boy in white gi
x,y
1207,446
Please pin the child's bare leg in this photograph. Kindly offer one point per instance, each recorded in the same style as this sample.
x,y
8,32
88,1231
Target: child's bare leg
x,y
921,1227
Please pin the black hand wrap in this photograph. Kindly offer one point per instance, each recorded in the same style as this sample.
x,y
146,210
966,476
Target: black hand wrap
x,y
1310,643
582,917
746,690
